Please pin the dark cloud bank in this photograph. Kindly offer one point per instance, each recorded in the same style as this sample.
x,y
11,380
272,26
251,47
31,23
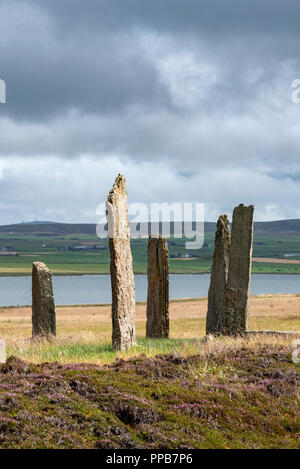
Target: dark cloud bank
x,y
191,100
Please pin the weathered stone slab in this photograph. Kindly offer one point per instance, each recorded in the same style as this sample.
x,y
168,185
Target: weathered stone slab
x,y
218,280
43,308
121,270
158,288
239,275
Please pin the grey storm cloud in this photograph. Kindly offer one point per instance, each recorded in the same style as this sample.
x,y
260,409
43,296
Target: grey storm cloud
x,y
97,56
228,16
197,92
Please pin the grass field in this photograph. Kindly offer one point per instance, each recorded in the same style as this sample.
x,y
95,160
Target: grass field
x,y
71,262
73,391
84,332
180,393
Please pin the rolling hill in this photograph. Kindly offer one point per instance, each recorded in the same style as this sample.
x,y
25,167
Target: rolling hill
x,y
64,229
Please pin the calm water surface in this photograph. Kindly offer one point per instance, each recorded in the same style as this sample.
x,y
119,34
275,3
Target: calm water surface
x,y
91,289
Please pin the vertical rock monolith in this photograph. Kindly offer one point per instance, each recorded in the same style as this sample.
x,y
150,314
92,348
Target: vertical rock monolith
x,y
43,307
239,274
219,276
121,269
158,288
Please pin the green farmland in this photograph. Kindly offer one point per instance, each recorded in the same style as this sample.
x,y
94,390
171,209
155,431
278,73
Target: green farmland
x,y
75,250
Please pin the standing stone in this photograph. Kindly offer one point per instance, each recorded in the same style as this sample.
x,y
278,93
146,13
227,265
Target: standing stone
x,y
43,308
158,288
121,270
239,275
218,280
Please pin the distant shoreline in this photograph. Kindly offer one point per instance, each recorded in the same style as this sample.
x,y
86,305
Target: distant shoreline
x,y
28,274
143,303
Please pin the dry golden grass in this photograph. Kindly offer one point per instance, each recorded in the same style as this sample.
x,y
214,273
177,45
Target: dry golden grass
x,y
274,260
84,332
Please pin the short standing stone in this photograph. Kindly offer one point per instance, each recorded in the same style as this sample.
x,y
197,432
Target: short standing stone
x,y
121,270
239,275
158,288
218,281
43,308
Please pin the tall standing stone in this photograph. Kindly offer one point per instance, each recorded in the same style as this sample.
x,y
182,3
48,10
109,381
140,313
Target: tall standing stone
x,y
43,308
158,288
219,276
121,270
239,275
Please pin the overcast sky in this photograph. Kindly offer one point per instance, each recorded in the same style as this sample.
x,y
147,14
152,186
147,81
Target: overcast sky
x,y
190,99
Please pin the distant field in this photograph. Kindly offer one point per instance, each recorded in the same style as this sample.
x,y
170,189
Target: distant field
x,y
269,250
278,261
